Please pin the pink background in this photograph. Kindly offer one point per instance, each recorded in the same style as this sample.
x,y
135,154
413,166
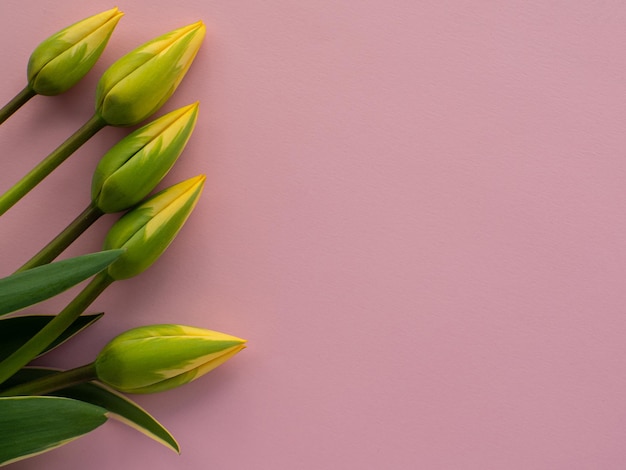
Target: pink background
x,y
415,212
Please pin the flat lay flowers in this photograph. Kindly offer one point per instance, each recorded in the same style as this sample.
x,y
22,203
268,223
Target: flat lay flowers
x,y
44,408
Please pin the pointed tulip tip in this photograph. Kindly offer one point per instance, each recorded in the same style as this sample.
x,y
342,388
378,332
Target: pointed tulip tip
x,y
115,12
198,28
198,179
193,106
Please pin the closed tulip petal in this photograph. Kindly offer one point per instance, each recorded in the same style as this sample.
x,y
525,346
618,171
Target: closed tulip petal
x,y
155,358
146,231
60,61
139,83
133,167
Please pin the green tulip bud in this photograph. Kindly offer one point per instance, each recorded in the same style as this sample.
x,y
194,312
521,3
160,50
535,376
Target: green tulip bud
x,y
60,61
132,168
155,358
139,83
148,229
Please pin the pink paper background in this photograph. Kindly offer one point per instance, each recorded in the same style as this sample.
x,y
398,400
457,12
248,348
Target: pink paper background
x,y
415,212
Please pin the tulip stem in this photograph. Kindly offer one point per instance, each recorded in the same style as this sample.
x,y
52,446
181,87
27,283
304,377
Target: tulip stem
x,y
53,382
16,103
65,238
44,337
48,164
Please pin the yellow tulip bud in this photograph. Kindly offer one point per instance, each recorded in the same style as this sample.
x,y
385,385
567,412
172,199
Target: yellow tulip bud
x,y
60,61
155,358
132,168
139,83
147,230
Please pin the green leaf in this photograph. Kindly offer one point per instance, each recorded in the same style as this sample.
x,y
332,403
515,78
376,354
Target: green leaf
x,y
119,406
26,288
123,409
15,331
33,425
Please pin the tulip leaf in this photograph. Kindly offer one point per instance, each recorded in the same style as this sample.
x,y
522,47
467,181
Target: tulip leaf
x,y
33,425
34,285
15,331
118,406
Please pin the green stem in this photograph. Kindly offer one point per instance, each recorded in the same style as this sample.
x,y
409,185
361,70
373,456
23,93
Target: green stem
x,y
65,238
53,382
16,103
45,167
36,344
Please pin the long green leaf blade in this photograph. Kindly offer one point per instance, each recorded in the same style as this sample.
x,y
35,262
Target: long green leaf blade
x,y
29,287
119,406
122,409
15,331
33,425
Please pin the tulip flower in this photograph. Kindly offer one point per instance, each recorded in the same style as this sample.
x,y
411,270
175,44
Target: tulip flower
x,y
147,230
129,91
139,83
147,359
126,174
134,166
60,61
151,359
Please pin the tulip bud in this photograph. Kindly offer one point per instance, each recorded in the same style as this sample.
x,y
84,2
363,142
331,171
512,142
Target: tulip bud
x,y
139,83
147,230
60,61
132,168
155,358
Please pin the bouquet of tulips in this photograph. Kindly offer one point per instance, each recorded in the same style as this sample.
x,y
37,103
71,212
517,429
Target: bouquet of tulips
x,y
43,408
